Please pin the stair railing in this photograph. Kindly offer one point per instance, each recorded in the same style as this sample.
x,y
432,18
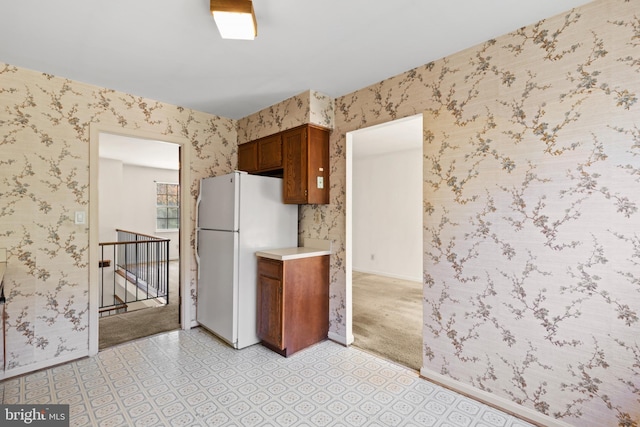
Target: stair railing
x,y
140,271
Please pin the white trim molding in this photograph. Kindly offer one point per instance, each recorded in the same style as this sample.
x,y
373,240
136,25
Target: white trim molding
x,y
341,339
492,400
21,370
185,222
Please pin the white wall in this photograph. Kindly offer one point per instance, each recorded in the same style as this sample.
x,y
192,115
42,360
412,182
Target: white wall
x,y
110,198
128,200
387,214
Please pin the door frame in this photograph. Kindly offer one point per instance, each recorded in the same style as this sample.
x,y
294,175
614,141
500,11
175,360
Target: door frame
x,y
185,253
349,141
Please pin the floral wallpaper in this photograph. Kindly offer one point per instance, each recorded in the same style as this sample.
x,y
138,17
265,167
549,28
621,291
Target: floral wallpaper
x,y
530,211
308,107
44,179
531,195
531,166
531,182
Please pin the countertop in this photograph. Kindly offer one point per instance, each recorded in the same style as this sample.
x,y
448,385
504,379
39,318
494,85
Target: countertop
x,y
284,254
311,248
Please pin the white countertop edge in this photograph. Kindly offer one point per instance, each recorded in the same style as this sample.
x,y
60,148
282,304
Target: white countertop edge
x,y
285,254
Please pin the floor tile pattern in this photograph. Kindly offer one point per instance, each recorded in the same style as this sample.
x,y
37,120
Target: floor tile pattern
x,y
189,378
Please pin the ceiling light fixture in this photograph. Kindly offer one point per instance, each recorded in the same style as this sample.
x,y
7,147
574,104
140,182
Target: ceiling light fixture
x,y
235,19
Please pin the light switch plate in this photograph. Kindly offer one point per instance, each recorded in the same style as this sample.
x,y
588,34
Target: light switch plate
x,y
81,217
320,182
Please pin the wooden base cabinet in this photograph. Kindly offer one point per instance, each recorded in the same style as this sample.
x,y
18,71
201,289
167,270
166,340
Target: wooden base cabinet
x,y
293,303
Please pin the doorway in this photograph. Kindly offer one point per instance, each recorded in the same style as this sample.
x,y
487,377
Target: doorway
x,y
384,239
141,170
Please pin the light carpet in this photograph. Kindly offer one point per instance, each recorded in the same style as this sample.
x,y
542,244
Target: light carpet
x,y
120,328
387,318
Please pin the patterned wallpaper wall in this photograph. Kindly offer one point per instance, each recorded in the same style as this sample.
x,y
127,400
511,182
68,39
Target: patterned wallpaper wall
x,y
531,249
44,179
532,188
531,194
308,107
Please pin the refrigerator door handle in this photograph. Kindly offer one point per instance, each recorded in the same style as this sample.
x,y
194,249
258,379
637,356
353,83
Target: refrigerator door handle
x,y
197,255
196,238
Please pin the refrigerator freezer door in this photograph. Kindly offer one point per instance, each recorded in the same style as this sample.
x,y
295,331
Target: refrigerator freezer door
x,y
217,308
218,203
265,222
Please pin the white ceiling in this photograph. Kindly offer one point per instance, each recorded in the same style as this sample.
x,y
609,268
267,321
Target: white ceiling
x,y
170,50
139,152
398,135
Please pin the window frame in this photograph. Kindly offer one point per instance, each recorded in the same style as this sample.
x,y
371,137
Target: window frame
x,y
167,207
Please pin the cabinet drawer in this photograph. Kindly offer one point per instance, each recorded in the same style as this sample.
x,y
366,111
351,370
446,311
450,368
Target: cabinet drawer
x,y
269,268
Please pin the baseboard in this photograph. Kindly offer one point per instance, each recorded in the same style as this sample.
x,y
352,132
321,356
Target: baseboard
x,y
492,400
21,370
194,324
341,339
385,274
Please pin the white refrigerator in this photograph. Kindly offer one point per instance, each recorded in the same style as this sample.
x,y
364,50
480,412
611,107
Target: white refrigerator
x,y
237,215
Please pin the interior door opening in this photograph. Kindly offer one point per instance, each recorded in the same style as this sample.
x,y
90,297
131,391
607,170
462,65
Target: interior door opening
x,y
136,188
384,240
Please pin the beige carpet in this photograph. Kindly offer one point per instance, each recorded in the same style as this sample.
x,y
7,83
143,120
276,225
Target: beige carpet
x,y
387,318
120,328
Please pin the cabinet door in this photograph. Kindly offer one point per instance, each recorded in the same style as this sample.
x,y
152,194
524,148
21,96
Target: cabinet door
x,y
248,157
270,320
294,144
270,153
318,165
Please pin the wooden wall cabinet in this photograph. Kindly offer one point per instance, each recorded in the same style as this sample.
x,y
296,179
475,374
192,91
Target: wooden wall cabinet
x,y
248,157
306,165
293,303
270,153
299,155
261,156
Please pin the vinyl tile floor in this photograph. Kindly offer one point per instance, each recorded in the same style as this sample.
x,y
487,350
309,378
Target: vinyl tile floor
x,y
189,378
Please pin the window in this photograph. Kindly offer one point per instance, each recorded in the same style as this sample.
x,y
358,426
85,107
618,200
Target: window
x,y
167,206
